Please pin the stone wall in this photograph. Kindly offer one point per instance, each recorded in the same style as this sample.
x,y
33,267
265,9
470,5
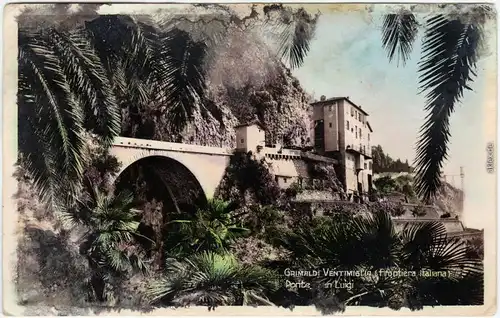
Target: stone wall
x,y
451,225
328,207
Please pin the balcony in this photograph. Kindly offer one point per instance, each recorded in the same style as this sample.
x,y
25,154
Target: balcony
x,y
359,149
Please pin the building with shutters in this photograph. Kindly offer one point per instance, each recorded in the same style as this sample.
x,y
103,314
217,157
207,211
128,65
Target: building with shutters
x,y
341,130
341,134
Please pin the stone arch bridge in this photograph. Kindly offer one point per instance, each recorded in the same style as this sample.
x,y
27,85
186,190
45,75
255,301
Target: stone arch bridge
x,y
203,166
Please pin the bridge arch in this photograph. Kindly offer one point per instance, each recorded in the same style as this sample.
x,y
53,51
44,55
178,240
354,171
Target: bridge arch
x,y
163,174
207,164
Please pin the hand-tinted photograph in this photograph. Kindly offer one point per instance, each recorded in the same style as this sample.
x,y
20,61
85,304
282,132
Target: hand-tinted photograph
x,y
318,158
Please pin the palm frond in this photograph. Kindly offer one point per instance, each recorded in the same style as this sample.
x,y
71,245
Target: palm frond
x,y
182,74
295,31
87,78
117,259
127,49
47,103
399,32
447,67
210,279
468,290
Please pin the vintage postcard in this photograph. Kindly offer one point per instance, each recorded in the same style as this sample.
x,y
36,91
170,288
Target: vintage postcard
x,y
249,159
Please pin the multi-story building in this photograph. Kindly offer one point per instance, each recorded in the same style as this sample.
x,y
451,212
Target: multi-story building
x,y
341,130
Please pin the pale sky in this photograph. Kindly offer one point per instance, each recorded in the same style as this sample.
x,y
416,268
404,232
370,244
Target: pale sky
x,y
347,59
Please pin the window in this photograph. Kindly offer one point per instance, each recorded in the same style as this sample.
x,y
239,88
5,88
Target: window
x,y
368,137
356,134
360,134
347,125
352,129
284,180
352,112
359,117
242,140
365,165
319,134
330,108
330,125
370,165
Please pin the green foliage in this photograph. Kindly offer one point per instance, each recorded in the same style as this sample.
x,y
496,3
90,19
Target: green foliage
x,y
260,219
52,116
382,162
294,189
379,248
244,176
385,185
399,33
475,247
394,209
81,79
296,30
447,67
419,211
212,228
401,184
210,279
111,239
100,166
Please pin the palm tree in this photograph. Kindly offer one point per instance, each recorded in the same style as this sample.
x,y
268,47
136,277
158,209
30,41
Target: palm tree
x,y
371,250
110,242
57,71
447,67
212,228
210,279
80,80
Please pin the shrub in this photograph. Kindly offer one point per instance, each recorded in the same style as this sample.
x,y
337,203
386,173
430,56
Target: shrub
x,y
211,279
475,247
398,210
419,211
294,189
393,208
213,228
260,219
245,174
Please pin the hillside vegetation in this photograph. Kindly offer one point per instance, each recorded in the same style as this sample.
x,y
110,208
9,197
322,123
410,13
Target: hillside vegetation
x,y
382,162
152,238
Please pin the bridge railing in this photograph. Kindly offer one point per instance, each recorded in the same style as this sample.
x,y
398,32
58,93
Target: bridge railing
x,y
172,146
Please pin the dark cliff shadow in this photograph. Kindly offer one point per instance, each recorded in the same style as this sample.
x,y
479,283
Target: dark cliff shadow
x,y
49,271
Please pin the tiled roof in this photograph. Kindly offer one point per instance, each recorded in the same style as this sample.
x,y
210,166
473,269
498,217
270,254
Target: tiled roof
x,y
333,99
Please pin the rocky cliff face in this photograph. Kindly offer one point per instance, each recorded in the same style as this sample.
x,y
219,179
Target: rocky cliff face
x,y
447,200
244,81
450,200
281,106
